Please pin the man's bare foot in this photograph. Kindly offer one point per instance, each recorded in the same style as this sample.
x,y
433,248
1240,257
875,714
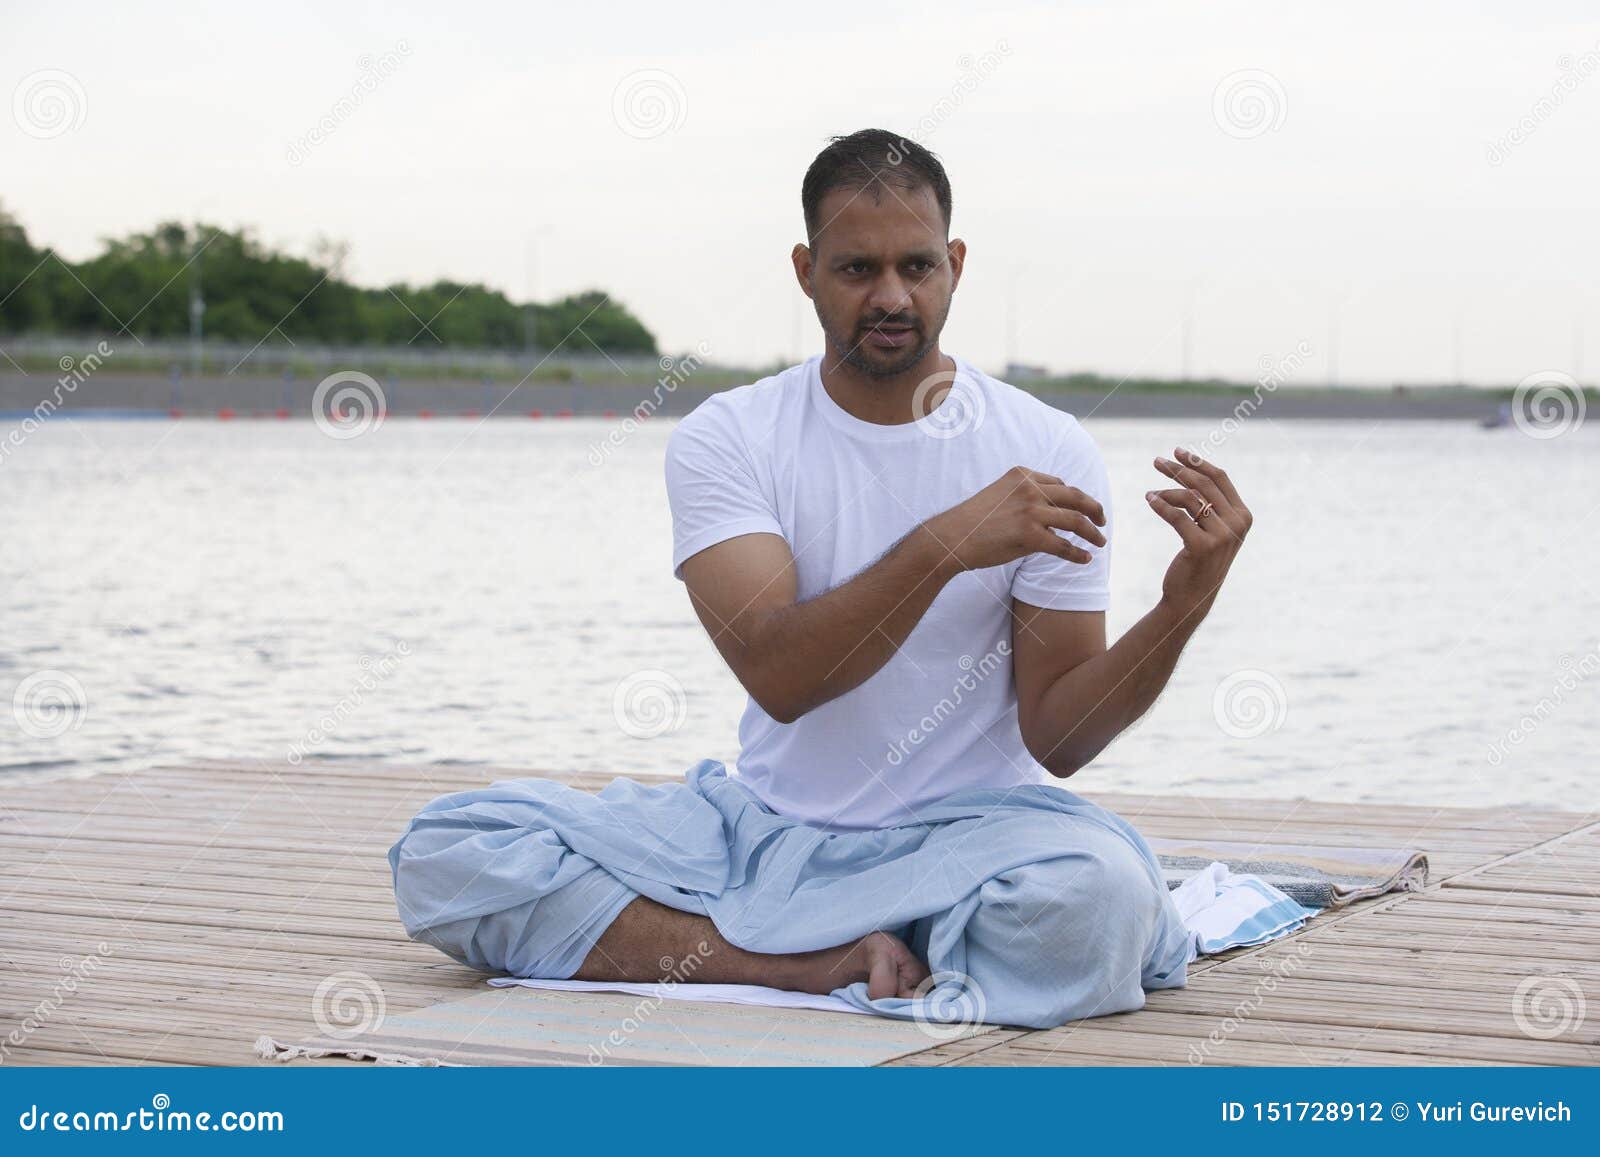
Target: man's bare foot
x,y
882,960
892,968
646,935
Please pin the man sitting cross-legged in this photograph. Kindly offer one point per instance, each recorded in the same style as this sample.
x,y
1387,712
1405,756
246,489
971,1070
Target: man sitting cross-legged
x,y
904,561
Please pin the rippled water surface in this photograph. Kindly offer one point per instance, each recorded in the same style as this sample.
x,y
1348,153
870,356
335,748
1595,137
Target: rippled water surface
x,y
1415,617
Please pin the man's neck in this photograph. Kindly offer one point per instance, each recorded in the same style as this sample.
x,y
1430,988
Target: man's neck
x,y
888,401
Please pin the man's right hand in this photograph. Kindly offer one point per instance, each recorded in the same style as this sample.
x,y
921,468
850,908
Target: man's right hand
x,y
793,656
1017,515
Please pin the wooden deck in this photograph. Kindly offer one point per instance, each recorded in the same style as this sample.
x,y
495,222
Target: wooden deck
x,y
173,916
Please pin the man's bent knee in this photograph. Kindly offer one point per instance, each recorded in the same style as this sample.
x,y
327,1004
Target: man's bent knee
x,y
1066,937
546,938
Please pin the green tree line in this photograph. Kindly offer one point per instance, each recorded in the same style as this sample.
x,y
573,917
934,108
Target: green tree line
x,y
144,281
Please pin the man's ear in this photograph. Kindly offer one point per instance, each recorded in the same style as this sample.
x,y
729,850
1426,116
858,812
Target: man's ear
x,y
801,256
958,261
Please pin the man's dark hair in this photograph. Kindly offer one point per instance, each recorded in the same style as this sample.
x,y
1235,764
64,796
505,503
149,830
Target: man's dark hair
x,y
866,158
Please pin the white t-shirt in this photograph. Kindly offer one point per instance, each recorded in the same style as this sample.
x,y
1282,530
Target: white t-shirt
x,y
780,456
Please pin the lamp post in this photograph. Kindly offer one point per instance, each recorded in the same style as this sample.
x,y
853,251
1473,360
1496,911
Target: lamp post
x,y
530,334
197,310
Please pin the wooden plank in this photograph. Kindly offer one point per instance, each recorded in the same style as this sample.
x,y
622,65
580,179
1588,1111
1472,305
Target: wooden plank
x,y
1490,994
367,905
1196,1029
214,870
1581,890
177,837
402,988
142,1044
1320,1003
1515,949
374,928
1091,1040
289,835
195,796
1495,923
1521,899
28,850
1405,816
239,958
952,1051
1415,978
93,927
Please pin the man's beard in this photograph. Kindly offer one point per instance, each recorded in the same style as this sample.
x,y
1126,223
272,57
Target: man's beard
x,y
871,363
854,351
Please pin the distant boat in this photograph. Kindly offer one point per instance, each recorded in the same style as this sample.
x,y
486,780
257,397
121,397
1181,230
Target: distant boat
x,y
1501,417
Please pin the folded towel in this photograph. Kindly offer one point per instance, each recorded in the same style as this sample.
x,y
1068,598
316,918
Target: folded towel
x,y
1224,909
1318,877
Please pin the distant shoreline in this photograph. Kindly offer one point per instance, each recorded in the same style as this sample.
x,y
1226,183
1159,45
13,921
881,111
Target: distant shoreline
x,y
112,395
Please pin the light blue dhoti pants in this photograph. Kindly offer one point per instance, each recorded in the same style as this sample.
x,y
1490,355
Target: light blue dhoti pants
x,y
1038,906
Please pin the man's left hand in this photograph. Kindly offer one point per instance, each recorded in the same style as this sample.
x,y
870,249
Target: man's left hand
x,y
1212,521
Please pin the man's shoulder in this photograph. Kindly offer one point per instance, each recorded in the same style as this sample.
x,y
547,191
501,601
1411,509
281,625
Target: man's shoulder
x,y
748,410
1024,414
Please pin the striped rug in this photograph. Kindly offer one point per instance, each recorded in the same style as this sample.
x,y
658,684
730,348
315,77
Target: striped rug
x,y
1317,877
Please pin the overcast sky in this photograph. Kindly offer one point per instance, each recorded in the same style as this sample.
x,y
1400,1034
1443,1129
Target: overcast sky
x,y
1418,178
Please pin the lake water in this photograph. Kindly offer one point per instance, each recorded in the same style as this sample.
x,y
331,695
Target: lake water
x,y
1415,618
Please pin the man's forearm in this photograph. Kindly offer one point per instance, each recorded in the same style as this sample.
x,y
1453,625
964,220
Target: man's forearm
x,y
1085,709
808,653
